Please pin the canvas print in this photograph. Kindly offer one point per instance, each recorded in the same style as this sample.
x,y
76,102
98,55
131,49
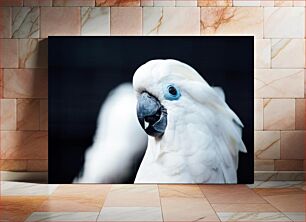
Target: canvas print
x,y
151,110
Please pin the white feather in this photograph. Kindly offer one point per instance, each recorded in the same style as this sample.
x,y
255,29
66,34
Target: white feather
x,y
118,139
203,135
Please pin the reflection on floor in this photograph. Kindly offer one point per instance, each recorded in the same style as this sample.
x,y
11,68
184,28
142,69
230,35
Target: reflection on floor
x,y
263,201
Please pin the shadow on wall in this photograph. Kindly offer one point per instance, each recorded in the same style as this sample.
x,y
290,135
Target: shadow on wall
x,y
26,149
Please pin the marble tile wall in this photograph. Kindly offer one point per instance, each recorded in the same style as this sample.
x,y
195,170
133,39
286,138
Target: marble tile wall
x,y
278,27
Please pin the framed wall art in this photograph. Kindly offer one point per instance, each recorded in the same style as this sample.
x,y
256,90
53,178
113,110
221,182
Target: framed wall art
x,y
151,109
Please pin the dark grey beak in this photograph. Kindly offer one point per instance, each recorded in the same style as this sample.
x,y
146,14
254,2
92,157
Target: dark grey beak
x,y
151,115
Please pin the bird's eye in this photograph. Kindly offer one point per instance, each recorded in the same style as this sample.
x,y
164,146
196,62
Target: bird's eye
x,y
171,92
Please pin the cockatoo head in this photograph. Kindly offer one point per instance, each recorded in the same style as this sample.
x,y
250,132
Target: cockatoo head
x,y
162,91
196,136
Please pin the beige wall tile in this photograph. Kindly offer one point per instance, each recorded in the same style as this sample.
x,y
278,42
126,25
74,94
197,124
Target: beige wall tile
x,y
75,196
279,114
267,145
247,216
187,209
221,3
300,114
288,53
37,165
266,3
33,53
289,165
25,83
27,114
258,124
8,53
95,21
10,3
279,83
279,191
246,3
25,22
305,83
126,196
5,22
262,207
263,53
186,3
278,22
37,2
71,204
264,165
146,2
130,214
279,176
13,165
292,145
8,114
287,200
23,144
299,3
92,191
230,194
120,25
162,3
232,20
51,17
43,114
1,83
171,21
168,191
118,3
73,2
279,3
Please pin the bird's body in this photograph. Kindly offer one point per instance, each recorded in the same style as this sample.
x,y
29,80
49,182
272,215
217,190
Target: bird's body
x,y
119,141
201,141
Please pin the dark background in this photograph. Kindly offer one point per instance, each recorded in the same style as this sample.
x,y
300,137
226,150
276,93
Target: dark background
x,y
82,70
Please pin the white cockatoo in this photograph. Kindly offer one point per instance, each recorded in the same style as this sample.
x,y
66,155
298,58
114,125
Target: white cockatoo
x,y
119,140
194,137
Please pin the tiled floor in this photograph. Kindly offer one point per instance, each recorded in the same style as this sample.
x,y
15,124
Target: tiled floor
x,y
258,202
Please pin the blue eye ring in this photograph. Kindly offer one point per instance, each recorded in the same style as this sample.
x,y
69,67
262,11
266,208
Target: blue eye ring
x,y
171,92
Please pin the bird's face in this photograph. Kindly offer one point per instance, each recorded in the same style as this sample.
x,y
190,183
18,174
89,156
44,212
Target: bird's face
x,y
151,111
158,86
